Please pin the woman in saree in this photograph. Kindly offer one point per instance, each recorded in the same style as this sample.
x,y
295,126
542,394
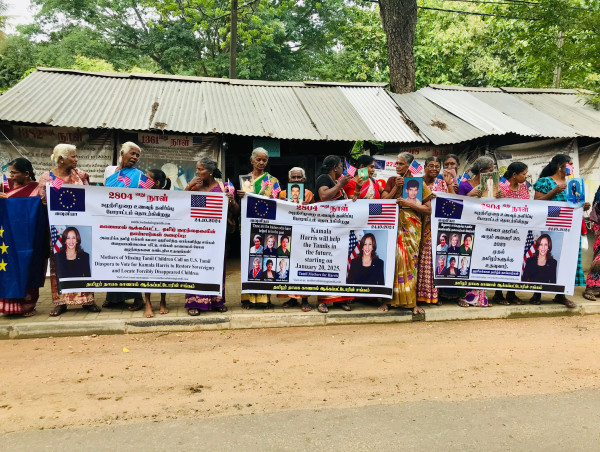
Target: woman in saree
x,y
409,237
262,183
329,187
64,157
22,185
360,188
426,293
127,176
552,186
207,173
592,282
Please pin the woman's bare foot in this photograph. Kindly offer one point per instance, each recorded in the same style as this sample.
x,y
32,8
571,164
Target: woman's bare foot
x,y
418,310
384,307
148,310
163,308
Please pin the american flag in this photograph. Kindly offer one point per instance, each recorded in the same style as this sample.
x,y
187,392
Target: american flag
x,y
5,182
146,182
206,206
382,214
56,239
353,249
55,181
350,169
559,216
529,248
276,190
229,187
415,167
569,169
265,182
126,180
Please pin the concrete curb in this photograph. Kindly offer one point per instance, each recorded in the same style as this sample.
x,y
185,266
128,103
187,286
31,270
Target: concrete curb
x,y
19,328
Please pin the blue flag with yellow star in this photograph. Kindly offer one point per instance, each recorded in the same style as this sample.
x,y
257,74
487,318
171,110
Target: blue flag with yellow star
x,y
261,208
448,208
67,199
23,245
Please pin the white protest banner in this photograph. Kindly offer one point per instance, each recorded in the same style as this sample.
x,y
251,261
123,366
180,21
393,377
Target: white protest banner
x,y
511,244
318,249
109,239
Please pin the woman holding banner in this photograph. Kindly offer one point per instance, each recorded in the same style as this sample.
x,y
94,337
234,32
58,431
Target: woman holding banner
x,y
359,188
472,187
409,237
426,293
592,282
330,186
22,185
65,172
552,186
207,171
263,184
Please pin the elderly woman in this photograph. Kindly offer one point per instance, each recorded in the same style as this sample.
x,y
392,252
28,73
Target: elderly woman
x,y
426,293
207,173
359,188
126,175
64,156
297,175
23,185
551,186
409,237
262,184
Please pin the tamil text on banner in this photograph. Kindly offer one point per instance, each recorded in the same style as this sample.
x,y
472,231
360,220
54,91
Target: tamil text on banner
x,y
318,249
512,244
115,239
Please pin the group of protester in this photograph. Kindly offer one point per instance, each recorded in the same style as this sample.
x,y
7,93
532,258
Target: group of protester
x,y
414,270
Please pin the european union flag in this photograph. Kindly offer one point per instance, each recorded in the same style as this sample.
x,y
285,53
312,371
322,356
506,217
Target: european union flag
x,y
23,245
67,199
261,208
448,208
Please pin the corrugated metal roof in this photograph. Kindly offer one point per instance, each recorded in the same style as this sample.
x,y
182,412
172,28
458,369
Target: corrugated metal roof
x,y
543,124
286,110
476,112
434,122
569,110
382,117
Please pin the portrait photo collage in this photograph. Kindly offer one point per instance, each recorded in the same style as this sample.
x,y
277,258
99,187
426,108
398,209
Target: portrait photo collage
x,y
453,250
270,249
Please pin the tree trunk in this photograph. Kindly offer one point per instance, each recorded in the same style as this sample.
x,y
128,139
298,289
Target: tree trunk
x,y
233,39
399,19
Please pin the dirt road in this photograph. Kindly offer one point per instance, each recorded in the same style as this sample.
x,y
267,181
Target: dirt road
x,y
91,381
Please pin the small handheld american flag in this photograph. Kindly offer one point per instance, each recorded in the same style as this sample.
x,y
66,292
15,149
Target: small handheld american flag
x,y
126,180
276,190
5,182
55,181
146,182
415,167
350,169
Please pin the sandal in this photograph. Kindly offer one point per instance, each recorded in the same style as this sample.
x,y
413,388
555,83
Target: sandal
x,y
220,309
246,304
305,306
514,299
384,307
499,298
463,304
291,303
536,299
30,313
589,295
91,307
193,312
322,308
345,307
138,304
58,310
565,301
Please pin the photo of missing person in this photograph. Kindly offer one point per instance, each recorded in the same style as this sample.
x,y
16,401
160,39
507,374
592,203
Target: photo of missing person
x,y
542,266
367,267
467,244
463,269
440,268
284,246
442,243
413,190
295,193
575,192
256,247
268,273
71,260
454,246
270,247
451,269
283,266
255,270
